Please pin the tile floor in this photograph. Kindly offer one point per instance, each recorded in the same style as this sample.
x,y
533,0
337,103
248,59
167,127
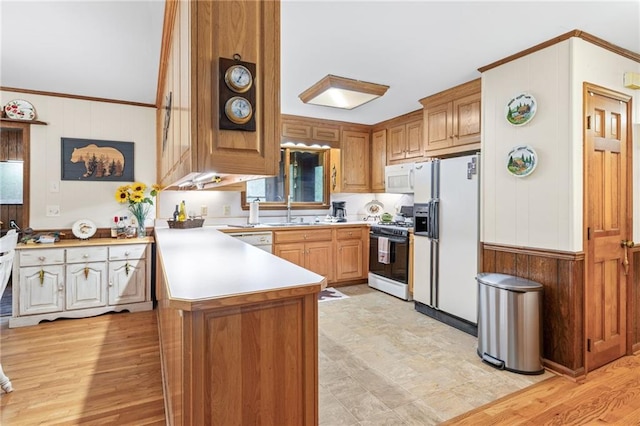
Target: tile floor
x,y
384,363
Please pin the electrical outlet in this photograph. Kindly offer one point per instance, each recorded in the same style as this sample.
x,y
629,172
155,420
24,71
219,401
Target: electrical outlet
x,y
204,210
226,210
53,211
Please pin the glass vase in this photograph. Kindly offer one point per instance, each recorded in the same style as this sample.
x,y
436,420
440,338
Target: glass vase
x,y
142,232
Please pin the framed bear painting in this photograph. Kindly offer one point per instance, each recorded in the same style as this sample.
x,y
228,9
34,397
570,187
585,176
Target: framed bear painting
x,y
96,160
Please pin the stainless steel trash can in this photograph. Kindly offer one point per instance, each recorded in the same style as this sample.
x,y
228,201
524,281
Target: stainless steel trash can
x,y
510,323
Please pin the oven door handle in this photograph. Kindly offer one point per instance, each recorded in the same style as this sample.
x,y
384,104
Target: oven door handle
x,y
391,239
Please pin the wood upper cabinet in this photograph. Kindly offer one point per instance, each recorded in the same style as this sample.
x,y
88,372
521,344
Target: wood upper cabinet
x,y
452,120
354,159
405,141
378,159
193,143
303,129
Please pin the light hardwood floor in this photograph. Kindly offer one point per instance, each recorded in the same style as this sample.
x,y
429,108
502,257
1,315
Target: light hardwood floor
x,y
106,370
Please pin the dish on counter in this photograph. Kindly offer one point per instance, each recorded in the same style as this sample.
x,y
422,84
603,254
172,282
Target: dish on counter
x,y
19,109
521,109
84,229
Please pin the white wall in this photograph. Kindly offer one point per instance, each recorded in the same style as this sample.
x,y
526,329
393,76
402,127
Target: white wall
x,y
91,120
544,210
532,211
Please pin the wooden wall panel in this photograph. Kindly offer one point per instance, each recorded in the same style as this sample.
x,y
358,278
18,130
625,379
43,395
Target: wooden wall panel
x,y
561,275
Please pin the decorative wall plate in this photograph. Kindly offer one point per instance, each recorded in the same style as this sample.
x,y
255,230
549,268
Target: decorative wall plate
x,y
20,110
374,208
522,161
521,109
84,229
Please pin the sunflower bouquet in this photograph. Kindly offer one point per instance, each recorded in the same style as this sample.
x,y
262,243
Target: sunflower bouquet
x,y
139,203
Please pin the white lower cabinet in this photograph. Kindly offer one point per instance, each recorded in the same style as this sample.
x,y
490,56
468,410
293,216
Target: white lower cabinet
x,y
76,282
41,289
126,281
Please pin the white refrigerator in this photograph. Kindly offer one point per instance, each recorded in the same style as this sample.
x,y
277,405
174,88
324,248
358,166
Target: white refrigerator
x,y
446,261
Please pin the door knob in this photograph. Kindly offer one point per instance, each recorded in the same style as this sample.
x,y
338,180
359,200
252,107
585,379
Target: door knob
x,y
627,244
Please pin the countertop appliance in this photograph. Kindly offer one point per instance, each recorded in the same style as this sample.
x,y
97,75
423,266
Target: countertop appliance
x,y
260,239
389,258
446,231
339,210
399,178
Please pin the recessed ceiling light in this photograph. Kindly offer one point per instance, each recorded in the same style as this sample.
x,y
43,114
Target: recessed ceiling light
x,y
341,92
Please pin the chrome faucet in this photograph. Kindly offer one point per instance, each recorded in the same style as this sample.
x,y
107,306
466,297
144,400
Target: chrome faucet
x,y
289,218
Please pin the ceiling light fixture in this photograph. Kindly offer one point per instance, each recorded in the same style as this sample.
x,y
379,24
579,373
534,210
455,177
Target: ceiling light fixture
x,y
341,92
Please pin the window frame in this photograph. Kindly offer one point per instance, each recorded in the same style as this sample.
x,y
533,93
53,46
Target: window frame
x,y
297,205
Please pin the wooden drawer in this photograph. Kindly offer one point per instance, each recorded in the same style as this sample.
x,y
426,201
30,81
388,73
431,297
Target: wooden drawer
x,y
301,235
129,251
349,233
41,257
86,254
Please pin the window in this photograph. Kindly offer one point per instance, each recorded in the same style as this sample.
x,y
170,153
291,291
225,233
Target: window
x,y
302,175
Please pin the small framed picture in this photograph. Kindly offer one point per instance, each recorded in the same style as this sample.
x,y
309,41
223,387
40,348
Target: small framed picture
x,y
97,160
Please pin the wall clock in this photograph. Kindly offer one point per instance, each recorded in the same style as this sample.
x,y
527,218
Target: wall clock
x,y
237,94
238,110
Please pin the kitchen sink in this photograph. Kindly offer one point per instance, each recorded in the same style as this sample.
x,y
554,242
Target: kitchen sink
x,y
292,224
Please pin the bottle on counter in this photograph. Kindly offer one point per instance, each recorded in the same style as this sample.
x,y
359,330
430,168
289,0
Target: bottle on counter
x,y
114,227
182,214
176,213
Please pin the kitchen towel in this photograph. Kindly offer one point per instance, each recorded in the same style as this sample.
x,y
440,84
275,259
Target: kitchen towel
x,y
254,209
383,250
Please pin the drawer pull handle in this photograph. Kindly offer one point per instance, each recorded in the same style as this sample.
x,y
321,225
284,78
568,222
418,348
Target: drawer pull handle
x,y
85,255
127,253
41,258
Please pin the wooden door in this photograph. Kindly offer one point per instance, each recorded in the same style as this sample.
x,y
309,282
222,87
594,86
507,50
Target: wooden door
x,y
355,161
607,191
466,120
438,126
396,144
414,139
293,252
378,159
319,258
349,263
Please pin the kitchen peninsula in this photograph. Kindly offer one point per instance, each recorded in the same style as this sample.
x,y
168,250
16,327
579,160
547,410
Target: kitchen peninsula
x,y
238,332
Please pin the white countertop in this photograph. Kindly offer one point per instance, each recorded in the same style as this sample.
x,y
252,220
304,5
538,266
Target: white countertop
x,y
204,263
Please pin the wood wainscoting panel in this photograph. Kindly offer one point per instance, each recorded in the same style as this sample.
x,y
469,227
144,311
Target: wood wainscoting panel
x,y
562,277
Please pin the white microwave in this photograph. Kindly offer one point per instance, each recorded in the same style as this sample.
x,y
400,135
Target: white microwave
x,y
399,178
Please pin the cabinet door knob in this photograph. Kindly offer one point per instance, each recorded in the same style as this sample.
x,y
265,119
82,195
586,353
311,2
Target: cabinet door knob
x,y
60,287
110,283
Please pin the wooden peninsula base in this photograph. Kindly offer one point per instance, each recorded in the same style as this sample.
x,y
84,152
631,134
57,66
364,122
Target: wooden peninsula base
x,y
244,358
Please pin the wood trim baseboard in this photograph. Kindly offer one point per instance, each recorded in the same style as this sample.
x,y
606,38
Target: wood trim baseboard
x,y
574,375
573,33
79,97
555,254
